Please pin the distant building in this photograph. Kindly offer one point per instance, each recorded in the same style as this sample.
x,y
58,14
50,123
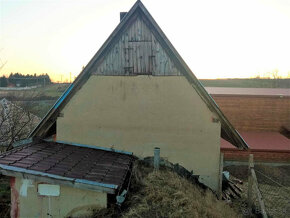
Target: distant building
x,y
262,116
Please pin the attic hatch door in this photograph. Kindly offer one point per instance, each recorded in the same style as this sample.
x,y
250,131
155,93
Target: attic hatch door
x,y
138,56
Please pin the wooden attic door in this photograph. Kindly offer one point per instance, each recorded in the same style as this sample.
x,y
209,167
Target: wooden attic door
x,y
138,58
138,50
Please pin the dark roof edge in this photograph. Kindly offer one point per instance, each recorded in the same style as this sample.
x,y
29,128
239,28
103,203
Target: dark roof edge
x,y
55,179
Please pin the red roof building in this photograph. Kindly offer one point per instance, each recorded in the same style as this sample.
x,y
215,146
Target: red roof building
x,y
260,115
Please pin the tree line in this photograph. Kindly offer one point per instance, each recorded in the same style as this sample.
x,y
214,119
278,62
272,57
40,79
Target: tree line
x,y
20,80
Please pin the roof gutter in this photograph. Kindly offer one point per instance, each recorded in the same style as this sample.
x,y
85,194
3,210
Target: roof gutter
x,y
55,179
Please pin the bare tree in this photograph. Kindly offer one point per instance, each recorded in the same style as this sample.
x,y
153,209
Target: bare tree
x,y
15,123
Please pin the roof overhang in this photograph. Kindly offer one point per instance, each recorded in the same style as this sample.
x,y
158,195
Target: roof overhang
x,y
54,179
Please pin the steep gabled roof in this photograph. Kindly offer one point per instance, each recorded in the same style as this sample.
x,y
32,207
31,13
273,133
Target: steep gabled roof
x,y
228,131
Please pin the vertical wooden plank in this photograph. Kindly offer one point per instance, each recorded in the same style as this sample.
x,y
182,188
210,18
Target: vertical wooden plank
x,y
137,58
259,195
133,61
122,54
144,47
250,182
146,57
113,60
162,61
132,47
220,190
140,47
126,50
139,30
153,54
118,66
157,58
110,61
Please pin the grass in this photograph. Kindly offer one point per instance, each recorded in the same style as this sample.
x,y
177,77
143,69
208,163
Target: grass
x,y
49,92
166,194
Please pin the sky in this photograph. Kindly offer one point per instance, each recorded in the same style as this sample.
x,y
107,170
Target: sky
x,y
216,38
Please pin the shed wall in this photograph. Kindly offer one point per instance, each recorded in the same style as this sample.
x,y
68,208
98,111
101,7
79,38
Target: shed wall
x,y
71,202
139,113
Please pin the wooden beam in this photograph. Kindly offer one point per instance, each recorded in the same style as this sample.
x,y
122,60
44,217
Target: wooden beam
x,y
220,190
260,197
250,182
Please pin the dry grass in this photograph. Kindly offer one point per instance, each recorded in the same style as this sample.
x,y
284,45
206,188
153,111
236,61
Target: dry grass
x,y
165,194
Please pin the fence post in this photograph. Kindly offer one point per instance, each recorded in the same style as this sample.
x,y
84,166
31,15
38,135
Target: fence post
x,y
250,183
156,158
220,190
260,197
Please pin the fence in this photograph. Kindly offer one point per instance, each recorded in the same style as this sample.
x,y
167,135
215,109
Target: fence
x,y
268,192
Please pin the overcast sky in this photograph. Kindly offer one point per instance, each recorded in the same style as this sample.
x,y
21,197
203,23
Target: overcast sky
x,y
216,38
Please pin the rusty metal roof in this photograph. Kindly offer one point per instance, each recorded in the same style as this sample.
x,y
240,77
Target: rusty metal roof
x,y
262,141
69,162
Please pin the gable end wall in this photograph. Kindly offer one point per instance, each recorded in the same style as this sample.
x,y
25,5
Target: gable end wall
x,y
139,113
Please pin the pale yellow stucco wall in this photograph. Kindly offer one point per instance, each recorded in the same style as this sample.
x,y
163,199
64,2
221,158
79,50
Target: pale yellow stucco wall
x,y
139,113
71,202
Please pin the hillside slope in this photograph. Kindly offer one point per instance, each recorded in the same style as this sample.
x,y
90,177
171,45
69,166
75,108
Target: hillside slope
x,y
166,194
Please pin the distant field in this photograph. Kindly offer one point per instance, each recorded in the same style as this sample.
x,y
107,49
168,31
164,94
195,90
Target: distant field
x,y
49,92
247,83
38,100
41,99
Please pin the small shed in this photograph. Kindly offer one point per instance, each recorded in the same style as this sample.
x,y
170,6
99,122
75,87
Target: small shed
x,y
50,179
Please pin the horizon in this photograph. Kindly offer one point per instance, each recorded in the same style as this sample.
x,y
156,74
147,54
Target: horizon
x,y
224,40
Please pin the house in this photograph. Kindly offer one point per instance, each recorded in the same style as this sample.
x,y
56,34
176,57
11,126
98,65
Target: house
x,y
135,94
262,116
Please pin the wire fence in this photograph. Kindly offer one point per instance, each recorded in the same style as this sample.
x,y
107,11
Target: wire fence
x,y
275,191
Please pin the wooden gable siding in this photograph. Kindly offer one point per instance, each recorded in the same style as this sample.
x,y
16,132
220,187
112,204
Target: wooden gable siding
x,y
137,52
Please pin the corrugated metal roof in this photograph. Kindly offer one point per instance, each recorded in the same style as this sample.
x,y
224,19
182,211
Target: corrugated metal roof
x,y
84,164
248,91
272,141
